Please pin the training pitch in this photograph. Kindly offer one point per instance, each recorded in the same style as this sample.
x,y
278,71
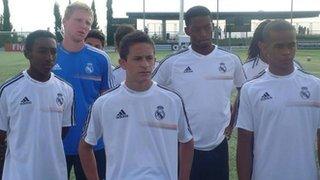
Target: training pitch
x,y
12,63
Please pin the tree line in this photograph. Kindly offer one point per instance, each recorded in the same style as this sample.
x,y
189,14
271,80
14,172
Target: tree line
x,y
8,34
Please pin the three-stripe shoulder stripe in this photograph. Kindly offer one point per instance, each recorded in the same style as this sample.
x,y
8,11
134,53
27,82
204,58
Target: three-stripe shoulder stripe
x,y
183,104
299,64
305,72
166,58
86,125
254,62
10,81
259,75
116,68
111,89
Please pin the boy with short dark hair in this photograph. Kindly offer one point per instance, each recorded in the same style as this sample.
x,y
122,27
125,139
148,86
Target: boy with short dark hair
x,y
96,39
36,107
144,125
205,76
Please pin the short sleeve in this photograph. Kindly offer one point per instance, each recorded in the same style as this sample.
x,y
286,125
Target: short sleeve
x,y
4,117
107,75
245,116
68,113
239,75
93,130
119,75
162,73
184,131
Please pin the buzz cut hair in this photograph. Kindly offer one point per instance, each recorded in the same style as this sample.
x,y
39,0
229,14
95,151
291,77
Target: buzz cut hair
x,y
131,39
196,11
33,36
276,25
121,31
76,6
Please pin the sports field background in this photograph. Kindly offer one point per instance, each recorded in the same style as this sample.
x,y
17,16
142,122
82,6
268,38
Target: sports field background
x,y
12,63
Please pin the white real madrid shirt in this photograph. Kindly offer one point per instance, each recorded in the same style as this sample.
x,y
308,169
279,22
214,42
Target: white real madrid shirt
x,y
283,112
33,114
141,132
254,66
205,83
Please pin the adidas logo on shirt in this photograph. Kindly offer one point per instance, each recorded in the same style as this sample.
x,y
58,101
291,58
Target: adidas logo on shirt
x,y
56,67
121,114
24,101
188,70
265,96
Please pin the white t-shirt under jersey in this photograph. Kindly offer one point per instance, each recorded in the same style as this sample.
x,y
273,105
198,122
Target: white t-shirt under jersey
x,y
120,74
254,66
141,132
205,83
283,112
33,114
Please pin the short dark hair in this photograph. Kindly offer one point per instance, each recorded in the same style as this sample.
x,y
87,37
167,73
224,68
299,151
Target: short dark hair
x,y
131,39
195,12
31,38
276,25
97,34
254,50
121,31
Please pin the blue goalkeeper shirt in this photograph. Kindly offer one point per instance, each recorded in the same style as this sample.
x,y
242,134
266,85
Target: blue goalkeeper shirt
x,y
89,72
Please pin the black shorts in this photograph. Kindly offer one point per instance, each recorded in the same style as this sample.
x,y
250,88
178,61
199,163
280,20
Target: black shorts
x,y
74,161
211,165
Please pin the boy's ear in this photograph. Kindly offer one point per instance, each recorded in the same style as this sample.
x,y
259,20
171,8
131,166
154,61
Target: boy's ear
x,y
122,63
263,46
26,54
186,30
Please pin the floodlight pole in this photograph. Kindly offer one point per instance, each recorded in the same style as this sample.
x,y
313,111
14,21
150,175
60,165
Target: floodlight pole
x,y
144,15
181,17
217,25
291,11
217,13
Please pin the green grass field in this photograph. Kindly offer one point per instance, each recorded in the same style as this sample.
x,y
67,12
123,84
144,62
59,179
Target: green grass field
x,y
13,63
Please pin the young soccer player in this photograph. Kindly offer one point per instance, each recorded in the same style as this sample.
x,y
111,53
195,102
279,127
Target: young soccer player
x,y
257,61
36,107
89,71
96,39
204,75
144,126
279,114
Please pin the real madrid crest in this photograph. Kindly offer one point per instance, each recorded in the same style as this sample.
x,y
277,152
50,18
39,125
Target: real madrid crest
x,y
223,67
305,93
89,68
59,99
159,114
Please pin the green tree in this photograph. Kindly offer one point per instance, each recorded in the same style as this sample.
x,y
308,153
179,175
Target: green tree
x,y
109,22
57,22
1,22
95,22
7,26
